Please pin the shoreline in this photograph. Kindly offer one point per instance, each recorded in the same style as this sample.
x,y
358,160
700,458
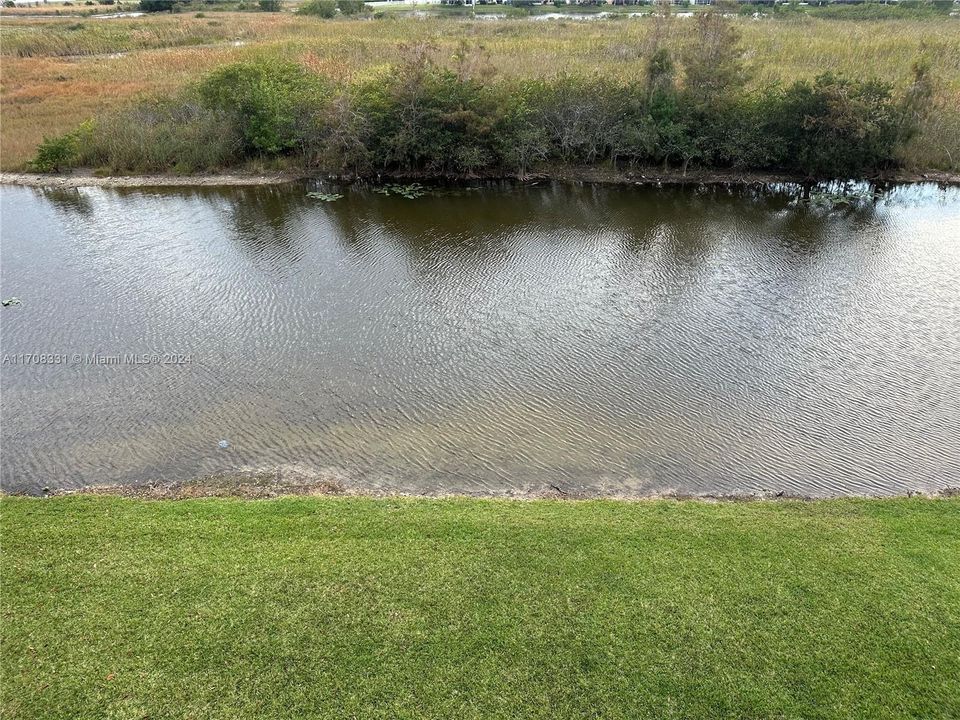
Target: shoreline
x,y
267,484
645,177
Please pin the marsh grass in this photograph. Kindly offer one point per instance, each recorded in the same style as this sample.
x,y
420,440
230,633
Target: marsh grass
x,y
110,62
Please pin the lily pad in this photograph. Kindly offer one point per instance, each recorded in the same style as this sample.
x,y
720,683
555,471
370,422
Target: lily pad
x,y
326,197
410,192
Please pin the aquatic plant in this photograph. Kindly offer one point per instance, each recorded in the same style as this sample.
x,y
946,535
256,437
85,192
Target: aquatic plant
x,y
410,192
325,197
843,199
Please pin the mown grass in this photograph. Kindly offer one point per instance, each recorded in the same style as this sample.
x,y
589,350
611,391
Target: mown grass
x,y
349,607
73,74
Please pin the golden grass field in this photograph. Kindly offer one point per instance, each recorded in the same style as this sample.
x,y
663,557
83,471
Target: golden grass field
x,y
56,72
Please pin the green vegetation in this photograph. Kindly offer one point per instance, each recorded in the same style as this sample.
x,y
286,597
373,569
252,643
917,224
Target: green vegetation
x,y
157,5
351,607
330,8
903,10
183,137
98,38
866,10
57,152
692,108
179,6
49,89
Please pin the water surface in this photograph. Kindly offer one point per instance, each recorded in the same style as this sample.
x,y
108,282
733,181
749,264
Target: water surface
x,y
595,339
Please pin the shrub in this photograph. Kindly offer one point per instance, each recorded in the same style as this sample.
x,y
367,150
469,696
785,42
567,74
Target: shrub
x,y
319,8
351,7
425,116
264,101
834,127
56,153
579,115
271,5
151,6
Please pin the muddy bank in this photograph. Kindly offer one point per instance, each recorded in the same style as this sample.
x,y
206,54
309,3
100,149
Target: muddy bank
x,y
88,179
641,177
296,481
656,177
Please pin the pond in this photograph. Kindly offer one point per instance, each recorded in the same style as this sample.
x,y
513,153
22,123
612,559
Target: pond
x,y
499,340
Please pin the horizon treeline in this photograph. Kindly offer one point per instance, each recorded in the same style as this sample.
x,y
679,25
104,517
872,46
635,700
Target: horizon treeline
x,y
692,107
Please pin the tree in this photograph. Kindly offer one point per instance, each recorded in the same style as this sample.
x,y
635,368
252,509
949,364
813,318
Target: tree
x,y
713,63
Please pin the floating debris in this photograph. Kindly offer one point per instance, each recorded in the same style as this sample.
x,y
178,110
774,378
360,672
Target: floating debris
x,y
11,301
223,444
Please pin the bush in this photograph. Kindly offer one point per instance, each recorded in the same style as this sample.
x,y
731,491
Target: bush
x,y
319,8
271,5
834,127
266,102
54,154
151,6
351,7
425,117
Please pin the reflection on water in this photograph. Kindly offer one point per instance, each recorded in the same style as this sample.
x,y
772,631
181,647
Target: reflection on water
x,y
596,339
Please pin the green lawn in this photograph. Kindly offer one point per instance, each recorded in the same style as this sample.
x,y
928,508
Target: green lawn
x,y
368,608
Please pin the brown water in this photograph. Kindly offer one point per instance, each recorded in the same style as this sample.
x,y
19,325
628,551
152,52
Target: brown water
x,y
611,340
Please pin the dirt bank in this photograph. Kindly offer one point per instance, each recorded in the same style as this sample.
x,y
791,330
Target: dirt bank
x,y
642,177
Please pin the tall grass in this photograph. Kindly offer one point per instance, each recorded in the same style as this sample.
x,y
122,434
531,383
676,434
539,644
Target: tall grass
x,y
91,36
